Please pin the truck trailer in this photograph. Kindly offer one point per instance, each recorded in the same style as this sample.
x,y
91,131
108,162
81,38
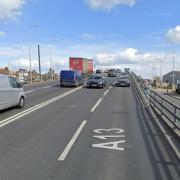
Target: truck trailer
x,y
83,65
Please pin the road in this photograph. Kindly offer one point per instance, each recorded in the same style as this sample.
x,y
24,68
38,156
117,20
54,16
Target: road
x,y
83,134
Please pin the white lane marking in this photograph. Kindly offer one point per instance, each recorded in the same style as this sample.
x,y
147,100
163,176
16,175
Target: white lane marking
x,y
34,108
104,137
110,87
28,92
71,142
38,89
115,130
96,105
110,145
105,93
45,87
115,145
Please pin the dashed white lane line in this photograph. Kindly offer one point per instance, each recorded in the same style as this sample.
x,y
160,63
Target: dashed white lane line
x,y
28,92
36,107
72,141
105,93
96,105
46,87
33,90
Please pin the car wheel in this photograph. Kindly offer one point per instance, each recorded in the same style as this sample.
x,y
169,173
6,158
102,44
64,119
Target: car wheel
x,y
21,102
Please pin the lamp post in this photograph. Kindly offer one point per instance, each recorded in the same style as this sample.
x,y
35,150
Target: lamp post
x,y
173,85
51,56
30,60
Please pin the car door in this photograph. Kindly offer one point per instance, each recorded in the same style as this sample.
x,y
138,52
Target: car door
x,y
14,91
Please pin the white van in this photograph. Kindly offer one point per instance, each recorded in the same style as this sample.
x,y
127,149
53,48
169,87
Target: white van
x,y
11,93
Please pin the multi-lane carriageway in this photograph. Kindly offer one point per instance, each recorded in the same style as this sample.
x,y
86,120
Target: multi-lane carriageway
x,y
83,134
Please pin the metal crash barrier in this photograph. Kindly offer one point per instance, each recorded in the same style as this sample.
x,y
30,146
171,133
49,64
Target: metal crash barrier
x,y
167,110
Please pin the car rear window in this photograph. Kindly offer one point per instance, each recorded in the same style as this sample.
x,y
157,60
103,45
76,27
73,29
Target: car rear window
x,y
96,77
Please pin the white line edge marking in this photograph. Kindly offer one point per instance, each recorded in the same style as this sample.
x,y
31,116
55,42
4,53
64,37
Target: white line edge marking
x,y
28,92
46,87
72,141
105,93
36,107
96,105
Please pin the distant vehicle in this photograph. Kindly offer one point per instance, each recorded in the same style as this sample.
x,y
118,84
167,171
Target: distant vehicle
x,y
111,74
98,71
123,82
96,80
71,78
11,93
83,65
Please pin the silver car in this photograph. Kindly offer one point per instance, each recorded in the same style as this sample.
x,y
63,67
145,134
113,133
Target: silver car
x,y
11,93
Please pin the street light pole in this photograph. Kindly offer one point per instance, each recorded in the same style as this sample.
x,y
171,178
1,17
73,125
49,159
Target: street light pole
x,y
30,60
51,61
173,68
51,55
160,68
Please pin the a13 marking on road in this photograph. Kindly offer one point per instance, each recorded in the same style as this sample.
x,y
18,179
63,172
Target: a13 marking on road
x,y
103,134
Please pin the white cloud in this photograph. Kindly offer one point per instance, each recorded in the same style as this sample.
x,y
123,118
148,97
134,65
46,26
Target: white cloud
x,y
11,9
88,36
58,64
2,34
173,35
108,5
105,55
128,56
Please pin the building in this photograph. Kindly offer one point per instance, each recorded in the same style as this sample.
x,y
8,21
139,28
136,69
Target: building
x,y
4,71
169,77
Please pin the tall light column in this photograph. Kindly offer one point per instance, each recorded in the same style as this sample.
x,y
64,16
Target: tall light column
x,y
51,55
30,60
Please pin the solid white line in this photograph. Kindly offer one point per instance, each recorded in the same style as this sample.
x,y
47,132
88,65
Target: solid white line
x,y
96,105
27,92
71,142
46,87
105,93
34,108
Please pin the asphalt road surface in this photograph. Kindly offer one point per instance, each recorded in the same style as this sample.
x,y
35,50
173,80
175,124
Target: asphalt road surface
x,y
83,134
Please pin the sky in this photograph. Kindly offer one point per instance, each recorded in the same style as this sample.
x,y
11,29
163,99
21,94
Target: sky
x,y
137,34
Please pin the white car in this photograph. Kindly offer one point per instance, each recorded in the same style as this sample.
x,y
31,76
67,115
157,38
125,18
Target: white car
x,y
11,93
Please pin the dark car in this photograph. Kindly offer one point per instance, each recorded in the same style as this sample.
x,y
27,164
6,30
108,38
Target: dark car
x,y
111,74
96,80
123,82
98,71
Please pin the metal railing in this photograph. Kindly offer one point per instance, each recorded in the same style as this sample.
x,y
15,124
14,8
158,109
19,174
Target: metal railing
x,y
161,105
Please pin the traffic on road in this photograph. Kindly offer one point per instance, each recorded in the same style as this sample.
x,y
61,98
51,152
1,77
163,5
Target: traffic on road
x,y
74,132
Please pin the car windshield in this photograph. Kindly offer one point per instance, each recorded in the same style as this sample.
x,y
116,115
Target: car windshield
x,y
96,77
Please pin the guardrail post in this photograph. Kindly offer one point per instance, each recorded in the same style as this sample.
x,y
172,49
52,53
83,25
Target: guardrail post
x,y
162,106
175,114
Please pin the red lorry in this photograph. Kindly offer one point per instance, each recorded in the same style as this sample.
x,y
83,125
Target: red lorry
x,y
83,65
